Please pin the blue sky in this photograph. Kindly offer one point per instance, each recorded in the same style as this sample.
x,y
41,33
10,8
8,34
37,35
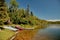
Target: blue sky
x,y
43,9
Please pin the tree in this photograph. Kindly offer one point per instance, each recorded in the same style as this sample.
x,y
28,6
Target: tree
x,y
31,13
14,3
27,10
13,11
3,12
13,6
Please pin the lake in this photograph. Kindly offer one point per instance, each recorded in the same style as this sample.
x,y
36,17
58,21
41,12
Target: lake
x,y
52,32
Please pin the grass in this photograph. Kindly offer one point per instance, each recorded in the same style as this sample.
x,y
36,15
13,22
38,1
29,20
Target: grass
x,y
6,34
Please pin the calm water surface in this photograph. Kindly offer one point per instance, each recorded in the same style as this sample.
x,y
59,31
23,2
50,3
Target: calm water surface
x,y
52,32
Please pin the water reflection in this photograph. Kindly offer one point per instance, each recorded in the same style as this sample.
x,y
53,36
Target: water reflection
x,y
50,33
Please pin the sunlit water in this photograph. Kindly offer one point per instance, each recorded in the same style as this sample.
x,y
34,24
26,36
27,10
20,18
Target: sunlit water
x,y
52,32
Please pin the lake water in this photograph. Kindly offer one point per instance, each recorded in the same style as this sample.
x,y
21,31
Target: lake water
x,y
52,32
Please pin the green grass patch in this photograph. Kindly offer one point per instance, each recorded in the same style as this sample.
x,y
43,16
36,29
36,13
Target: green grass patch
x,y
6,34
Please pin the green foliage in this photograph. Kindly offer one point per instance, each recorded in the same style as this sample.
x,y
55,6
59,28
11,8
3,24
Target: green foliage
x,y
3,12
13,3
20,16
3,16
1,22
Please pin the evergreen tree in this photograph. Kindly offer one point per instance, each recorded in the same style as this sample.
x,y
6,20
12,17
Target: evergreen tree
x,y
27,10
31,13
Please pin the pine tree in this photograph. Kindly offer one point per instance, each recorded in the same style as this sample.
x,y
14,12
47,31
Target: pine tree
x,y
31,13
27,10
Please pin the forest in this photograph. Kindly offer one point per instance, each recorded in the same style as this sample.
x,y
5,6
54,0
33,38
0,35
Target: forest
x,y
12,14
57,22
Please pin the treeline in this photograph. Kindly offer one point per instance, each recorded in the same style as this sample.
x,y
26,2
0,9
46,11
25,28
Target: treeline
x,y
57,22
12,14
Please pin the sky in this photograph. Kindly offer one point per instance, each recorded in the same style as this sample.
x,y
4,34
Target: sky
x,y
43,9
